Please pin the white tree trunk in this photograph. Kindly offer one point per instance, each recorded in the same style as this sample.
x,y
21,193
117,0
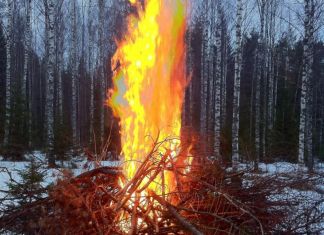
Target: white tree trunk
x,y
271,65
101,6
189,72
309,110
8,74
211,78
275,93
91,34
306,75
224,79
60,67
75,136
203,89
49,103
59,48
268,73
26,71
309,127
237,83
26,49
257,108
218,78
265,72
260,67
204,74
302,117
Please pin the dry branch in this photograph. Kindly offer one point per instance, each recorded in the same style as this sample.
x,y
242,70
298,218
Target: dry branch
x,y
206,202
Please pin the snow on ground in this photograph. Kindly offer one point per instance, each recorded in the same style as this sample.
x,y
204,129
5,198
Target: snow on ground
x,y
306,198
77,166
306,193
307,205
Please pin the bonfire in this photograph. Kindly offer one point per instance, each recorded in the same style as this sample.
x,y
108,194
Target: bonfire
x,y
163,186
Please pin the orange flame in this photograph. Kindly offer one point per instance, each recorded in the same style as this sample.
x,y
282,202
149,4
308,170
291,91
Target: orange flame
x,y
150,82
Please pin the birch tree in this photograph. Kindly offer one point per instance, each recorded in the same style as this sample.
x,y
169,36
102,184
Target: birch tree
x,y
49,100
8,73
27,47
260,67
309,118
237,81
101,6
218,80
204,70
224,70
91,34
75,136
271,64
210,79
59,42
264,74
305,86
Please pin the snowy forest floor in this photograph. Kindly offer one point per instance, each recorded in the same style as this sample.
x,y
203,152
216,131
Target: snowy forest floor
x,y
307,198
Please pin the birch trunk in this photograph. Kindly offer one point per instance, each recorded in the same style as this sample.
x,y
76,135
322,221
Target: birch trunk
x,y
211,79
224,79
302,117
90,58
189,73
275,94
260,62
309,129
218,78
271,65
59,71
75,136
265,71
204,75
49,100
8,74
26,50
26,68
309,117
59,56
101,6
304,86
237,81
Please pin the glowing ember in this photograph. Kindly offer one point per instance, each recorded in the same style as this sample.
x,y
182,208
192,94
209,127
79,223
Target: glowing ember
x,y
149,84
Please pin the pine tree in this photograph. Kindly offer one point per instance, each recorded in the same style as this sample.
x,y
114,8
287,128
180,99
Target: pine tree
x,y
30,187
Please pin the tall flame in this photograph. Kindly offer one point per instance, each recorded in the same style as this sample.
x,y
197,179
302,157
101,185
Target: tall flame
x,y
150,81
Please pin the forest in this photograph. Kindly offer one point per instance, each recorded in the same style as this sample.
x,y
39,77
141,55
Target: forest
x,y
113,111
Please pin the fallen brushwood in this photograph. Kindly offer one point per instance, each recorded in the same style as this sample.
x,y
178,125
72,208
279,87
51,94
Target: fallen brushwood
x,y
205,201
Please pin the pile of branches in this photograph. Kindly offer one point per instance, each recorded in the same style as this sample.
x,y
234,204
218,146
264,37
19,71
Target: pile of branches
x,y
208,200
